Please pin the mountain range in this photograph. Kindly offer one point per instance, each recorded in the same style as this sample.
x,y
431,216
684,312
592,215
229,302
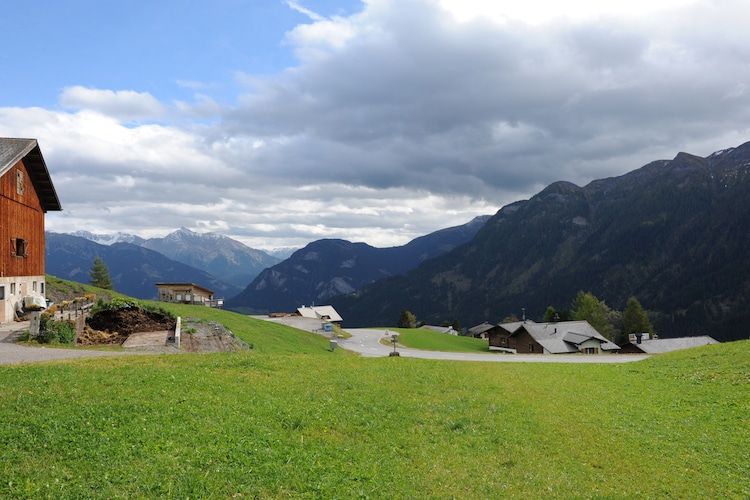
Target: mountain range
x,y
330,267
225,258
134,270
226,266
675,234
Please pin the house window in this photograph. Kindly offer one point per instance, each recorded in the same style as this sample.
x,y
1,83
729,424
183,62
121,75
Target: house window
x,y
19,181
2,292
12,288
33,286
531,347
20,247
591,350
41,288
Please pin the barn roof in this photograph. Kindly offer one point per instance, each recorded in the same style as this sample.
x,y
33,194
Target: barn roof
x,y
14,150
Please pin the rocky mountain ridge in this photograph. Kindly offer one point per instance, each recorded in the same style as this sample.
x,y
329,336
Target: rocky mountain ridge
x,y
673,233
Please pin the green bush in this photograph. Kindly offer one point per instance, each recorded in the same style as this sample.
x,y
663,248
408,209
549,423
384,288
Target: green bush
x,y
51,330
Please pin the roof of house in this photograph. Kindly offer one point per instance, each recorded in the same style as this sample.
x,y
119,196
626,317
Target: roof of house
x,y
327,313
14,150
658,346
513,326
185,285
475,330
566,336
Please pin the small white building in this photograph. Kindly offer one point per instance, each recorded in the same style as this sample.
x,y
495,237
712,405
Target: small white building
x,y
322,313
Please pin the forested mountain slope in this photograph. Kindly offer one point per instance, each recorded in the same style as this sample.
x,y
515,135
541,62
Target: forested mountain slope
x,y
675,234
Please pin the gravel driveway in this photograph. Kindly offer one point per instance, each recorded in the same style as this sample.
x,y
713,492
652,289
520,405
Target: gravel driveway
x,y
11,353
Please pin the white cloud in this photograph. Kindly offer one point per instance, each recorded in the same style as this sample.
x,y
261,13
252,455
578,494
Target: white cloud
x,y
403,119
541,11
122,104
302,10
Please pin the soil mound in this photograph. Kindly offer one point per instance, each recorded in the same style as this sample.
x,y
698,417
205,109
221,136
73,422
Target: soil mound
x,y
114,326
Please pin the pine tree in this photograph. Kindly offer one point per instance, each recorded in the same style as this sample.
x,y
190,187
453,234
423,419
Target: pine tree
x,y
100,275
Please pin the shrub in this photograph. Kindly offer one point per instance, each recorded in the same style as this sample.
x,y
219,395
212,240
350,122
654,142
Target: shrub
x,y
51,330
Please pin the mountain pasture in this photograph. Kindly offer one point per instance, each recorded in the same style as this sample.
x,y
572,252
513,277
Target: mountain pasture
x,y
291,419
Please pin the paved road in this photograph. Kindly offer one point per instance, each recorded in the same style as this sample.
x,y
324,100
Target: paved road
x,y
367,343
364,341
11,353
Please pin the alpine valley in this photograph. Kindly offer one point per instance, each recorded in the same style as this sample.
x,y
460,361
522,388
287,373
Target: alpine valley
x,y
675,234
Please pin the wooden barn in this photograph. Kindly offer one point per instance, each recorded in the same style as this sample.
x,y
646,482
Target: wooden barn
x,y
26,194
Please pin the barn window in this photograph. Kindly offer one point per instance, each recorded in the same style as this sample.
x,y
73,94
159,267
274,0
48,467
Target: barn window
x,y
20,247
19,181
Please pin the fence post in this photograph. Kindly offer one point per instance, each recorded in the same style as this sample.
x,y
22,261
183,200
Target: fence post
x,y
177,329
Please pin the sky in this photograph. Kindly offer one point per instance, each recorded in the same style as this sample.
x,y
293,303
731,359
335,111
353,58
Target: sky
x,y
281,122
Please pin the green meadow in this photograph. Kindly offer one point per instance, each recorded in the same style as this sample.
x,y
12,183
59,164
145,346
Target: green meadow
x,y
417,338
291,419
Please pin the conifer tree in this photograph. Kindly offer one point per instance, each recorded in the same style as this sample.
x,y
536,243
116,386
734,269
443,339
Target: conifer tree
x,y
100,275
634,319
407,320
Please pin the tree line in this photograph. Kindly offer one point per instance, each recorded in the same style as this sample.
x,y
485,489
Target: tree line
x,y
614,325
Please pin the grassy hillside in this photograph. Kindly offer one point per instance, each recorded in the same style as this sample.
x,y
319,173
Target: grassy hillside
x,y
322,425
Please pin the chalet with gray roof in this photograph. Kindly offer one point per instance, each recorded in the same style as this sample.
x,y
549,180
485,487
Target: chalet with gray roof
x,y
568,337
26,195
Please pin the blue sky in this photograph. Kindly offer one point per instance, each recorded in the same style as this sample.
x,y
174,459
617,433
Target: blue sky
x,y
167,48
279,122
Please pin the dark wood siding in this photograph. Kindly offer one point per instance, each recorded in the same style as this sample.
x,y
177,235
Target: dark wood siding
x,y
499,337
525,343
21,216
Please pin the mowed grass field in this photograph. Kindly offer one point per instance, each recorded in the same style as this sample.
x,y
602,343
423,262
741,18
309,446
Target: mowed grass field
x,y
290,419
417,338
